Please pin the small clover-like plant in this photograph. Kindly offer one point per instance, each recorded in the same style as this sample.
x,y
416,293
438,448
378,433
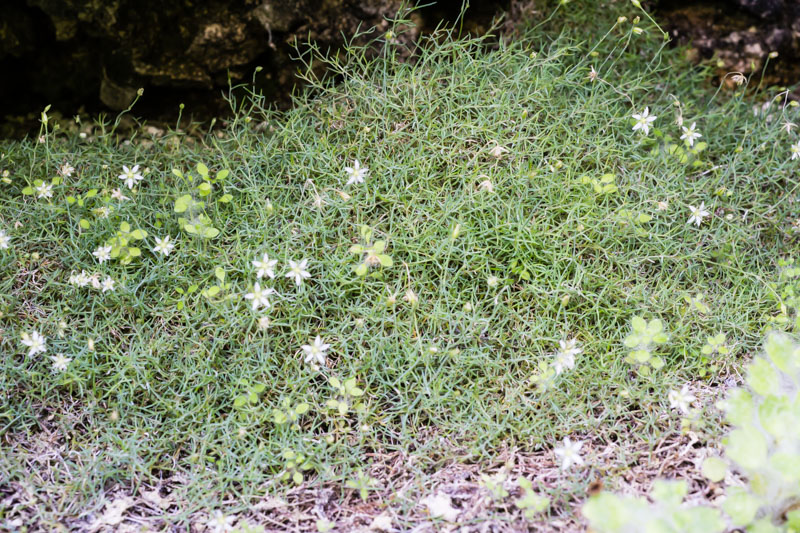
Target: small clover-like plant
x,y
610,513
347,397
642,341
495,485
697,303
121,243
250,394
634,220
764,445
605,184
787,293
195,220
363,483
375,252
288,412
530,503
213,291
294,466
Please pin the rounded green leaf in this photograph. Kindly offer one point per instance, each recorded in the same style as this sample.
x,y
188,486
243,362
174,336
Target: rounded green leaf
x,y
714,468
747,447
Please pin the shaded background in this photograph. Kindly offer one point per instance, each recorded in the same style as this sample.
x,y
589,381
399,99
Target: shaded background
x,y
91,56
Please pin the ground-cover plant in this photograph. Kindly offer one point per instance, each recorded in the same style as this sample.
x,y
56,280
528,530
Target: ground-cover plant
x,y
763,446
497,315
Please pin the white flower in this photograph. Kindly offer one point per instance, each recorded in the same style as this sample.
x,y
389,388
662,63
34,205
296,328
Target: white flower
x,y
298,271
569,453
796,151
45,190
681,399
35,342
60,362
643,121
81,280
102,211
66,170
265,267
117,195
130,176
565,357
315,352
4,240
356,173
593,74
492,281
259,296
264,322
107,284
95,279
698,214
219,523
103,253
163,246
690,134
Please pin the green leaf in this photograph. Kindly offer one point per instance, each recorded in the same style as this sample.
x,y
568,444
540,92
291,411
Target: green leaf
x,y
219,272
781,351
124,227
210,233
183,203
204,188
356,249
747,447
177,172
27,191
301,408
385,260
239,401
91,193
134,252
670,493
379,247
297,477
225,198
138,234
222,174
714,468
70,199
85,224
211,291
335,382
739,407
740,506
202,170
278,416
639,324
761,377
361,269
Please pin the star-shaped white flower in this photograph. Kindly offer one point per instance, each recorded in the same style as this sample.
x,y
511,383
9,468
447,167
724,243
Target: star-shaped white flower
x,y
298,271
219,523
315,352
45,190
35,341
60,362
66,170
796,151
102,253
565,357
259,296
163,246
265,267
698,214
681,399
643,121
356,173
81,279
4,240
131,176
107,284
690,134
569,453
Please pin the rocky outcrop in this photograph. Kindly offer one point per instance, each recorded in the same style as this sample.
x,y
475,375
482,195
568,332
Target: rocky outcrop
x,y
67,51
